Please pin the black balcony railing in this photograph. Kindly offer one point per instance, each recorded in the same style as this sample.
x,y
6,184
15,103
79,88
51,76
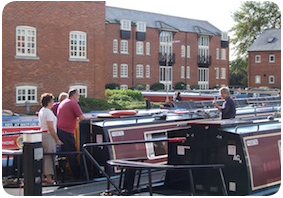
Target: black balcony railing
x,y
204,61
165,60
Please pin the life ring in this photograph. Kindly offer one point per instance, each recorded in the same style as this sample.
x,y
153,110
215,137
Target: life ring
x,y
123,112
180,112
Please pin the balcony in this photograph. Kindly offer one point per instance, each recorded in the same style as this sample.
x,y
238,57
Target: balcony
x,y
204,61
166,61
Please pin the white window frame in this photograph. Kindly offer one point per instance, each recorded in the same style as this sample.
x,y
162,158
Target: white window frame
x,y
82,89
26,94
139,48
188,51
150,151
78,45
148,48
115,46
26,41
183,51
257,58
124,71
271,81
125,24
188,72
141,26
182,72
223,73
147,71
223,54
257,79
217,53
115,70
124,87
224,36
216,72
269,58
139,71
124,47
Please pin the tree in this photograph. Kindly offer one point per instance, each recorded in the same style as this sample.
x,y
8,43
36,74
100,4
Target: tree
x,y
250,21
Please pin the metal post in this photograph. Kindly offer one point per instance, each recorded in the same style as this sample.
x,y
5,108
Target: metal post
x,y
32,162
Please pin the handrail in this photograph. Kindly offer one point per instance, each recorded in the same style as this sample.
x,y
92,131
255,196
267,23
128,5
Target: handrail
x,y
255,124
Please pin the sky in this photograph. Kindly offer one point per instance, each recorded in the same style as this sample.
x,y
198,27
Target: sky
x,y
217,12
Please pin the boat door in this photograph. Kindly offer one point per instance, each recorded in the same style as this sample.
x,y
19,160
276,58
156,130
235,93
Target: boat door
x,y
203,78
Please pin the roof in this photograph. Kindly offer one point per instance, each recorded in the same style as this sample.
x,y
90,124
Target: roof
x,y
269,40
160,21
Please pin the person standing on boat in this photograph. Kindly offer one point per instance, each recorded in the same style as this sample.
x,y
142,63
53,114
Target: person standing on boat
x,y
61,97
68,113
47,123
177,97
228,108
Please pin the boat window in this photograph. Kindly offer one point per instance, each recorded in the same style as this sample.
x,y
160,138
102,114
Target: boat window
x,y
156,150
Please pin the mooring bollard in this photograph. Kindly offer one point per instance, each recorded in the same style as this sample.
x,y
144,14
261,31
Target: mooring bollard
x,y
32,162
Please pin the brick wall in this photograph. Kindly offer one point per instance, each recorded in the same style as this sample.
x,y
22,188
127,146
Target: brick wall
x,y
53,72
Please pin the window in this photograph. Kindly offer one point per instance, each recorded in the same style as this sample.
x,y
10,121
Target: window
x,y
139,71
183,51
81,89
78,45
216,72
217,53
166,39
141,26
125,25
147,71
124,47
123,87
224,36
188,72
257,58
188,52
182,72
26,94
203,47
257,80
223,54
271,58
115,46
115,70
147,48
139,48
158,149
271,79
26,41
124,71
223,73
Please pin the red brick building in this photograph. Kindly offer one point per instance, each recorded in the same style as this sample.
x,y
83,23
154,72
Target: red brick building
x,y
264,68
50,47
137,44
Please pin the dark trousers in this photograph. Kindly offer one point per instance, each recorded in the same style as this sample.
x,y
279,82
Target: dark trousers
x,y
69,145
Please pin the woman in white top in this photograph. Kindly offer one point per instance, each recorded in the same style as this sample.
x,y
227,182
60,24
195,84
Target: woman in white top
x,y
48,122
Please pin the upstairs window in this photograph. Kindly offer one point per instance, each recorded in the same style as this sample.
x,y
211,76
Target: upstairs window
x,y
26,94
124,71
125,25
115,70
78,45
115,46
223,73
216,72
271,79
188,72
148,48
124,47
25,41
224,36
188,51
141,26
139,71
223,54
81,89
217,53
139,48
182,72
147,71
271,58
183,51
257,59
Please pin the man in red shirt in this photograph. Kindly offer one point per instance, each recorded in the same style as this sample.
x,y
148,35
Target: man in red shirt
x,y
68,113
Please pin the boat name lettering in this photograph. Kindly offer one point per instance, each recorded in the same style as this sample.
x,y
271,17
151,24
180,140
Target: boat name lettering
x,y
252,142
117,133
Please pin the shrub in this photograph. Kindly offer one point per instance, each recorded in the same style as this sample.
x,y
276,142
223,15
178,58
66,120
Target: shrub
x,y
139,86
112,86
157,86
125,95
93,104
180,86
